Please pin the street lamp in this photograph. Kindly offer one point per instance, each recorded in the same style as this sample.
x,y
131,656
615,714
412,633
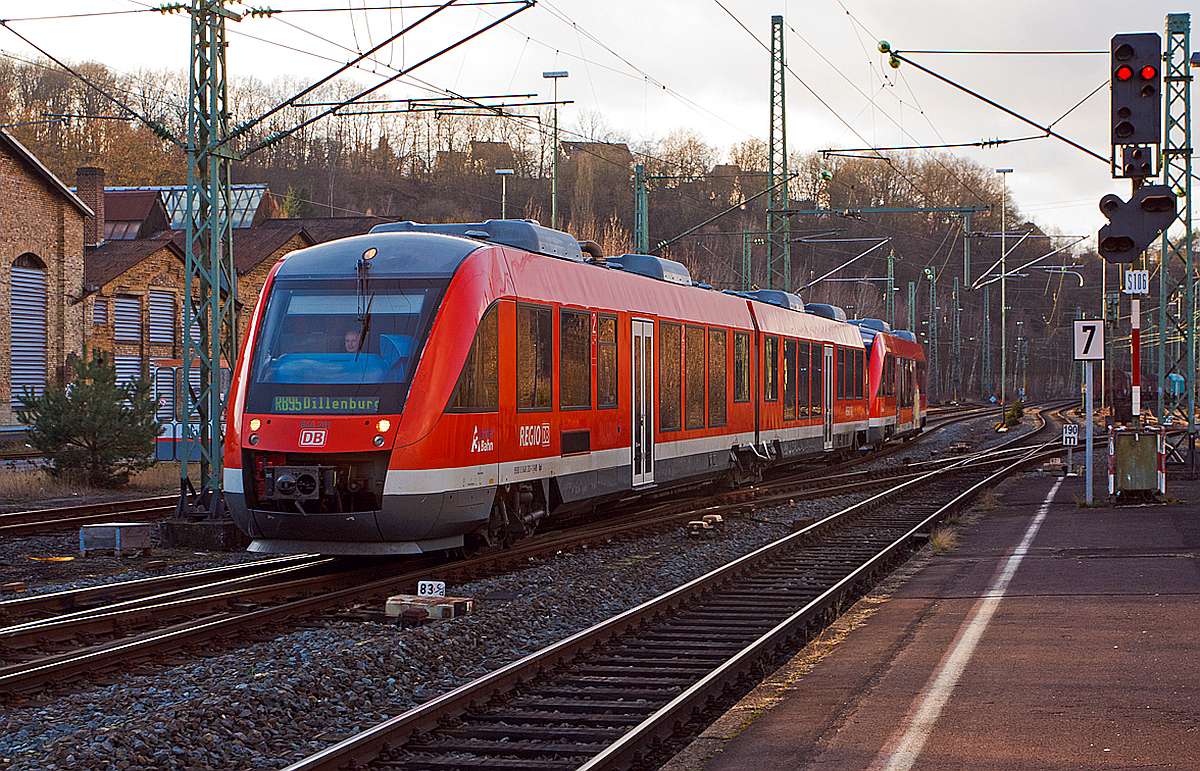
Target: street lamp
x,y
504,174
1003,299
554,76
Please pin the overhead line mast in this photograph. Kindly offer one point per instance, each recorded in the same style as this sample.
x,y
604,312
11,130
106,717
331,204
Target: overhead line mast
x,y
210,282
779,262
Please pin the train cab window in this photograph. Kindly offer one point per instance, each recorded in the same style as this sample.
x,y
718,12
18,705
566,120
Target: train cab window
x,y
575,360
818,380
802,379
841,373
859,357
320,338
606,362
889,376
717,391
694,376
535,358
789,379
670,383
478,388
771,369
741,367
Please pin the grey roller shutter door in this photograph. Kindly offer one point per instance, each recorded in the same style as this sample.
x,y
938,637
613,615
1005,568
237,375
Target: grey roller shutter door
x,y
28,330
164,392
162,318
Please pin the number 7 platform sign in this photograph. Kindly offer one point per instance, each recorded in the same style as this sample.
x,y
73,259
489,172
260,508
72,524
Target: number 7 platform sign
x,y
1089,340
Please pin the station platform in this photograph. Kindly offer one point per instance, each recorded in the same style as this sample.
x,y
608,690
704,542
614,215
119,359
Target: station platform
x,y
1053,636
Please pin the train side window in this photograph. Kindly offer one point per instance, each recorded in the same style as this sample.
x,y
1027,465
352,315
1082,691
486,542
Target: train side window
x,y
717,390
889,376
789,379
694,376
535,358
741,367
859,357
771,369
818,380
606,363
841,373
802,379
478,388
575,359
670,385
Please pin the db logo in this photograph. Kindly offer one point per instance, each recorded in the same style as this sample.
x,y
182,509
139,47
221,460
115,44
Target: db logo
x,y
310,437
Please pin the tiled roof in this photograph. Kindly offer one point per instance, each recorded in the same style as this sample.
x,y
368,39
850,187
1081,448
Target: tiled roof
x,y
103,263
251,246
322,229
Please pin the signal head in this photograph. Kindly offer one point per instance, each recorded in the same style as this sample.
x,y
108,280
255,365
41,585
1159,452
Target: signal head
x,y
1136,89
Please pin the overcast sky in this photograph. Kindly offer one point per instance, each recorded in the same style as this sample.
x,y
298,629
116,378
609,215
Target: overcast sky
x,y
651,66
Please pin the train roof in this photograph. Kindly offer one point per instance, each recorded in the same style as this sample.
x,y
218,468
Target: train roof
x,y
519,234
409,254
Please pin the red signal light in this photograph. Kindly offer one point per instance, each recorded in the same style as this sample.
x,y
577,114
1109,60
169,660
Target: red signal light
x,y
1149,72
1124,72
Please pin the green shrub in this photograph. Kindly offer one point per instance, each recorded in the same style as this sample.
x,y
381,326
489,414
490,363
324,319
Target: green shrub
x,y
94,428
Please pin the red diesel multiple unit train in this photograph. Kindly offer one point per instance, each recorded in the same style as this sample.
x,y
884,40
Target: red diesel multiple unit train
x,y
432,387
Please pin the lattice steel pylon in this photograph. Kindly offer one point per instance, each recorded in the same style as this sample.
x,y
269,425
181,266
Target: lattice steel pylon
x,y
779,251
210,283
1177,277
956,347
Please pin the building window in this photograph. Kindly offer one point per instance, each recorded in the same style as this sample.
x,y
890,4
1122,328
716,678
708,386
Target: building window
x,y
575,360
535,357
100,311
478,388
127,313
162,317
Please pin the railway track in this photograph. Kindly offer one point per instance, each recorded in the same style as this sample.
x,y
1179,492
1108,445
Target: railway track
x,y
50,639
614,695
19,523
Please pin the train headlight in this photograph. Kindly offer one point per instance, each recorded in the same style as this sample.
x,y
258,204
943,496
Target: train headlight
x,y
383,425
253,439
379,440
255,424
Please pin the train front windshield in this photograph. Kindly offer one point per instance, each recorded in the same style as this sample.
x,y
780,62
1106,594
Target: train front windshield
x,y
327,348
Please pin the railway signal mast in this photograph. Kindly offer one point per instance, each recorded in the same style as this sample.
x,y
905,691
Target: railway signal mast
x,y
1136,130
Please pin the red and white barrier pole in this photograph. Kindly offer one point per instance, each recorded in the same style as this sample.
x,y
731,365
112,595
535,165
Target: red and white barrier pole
x,y
1135,312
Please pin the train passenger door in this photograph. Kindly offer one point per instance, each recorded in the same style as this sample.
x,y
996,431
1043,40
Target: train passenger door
x,y
830,371
643,402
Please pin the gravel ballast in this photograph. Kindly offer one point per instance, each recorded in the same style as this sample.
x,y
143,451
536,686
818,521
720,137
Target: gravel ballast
x,y
270,704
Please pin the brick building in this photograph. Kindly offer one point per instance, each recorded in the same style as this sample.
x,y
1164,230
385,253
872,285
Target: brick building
x,y
41,275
